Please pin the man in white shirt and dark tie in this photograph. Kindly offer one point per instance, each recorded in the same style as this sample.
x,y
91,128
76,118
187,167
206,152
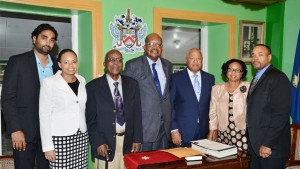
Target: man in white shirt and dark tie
x,y
113,114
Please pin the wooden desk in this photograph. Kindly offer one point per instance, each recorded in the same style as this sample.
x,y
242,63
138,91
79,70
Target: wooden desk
x,y
240,162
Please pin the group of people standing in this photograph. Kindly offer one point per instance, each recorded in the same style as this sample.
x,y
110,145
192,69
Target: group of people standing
x,y
51,113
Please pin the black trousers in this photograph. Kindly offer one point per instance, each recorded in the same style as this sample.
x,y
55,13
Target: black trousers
x,y
33,157
258,162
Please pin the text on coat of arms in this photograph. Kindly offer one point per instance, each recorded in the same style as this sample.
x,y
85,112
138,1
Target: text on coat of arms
x,y
128,32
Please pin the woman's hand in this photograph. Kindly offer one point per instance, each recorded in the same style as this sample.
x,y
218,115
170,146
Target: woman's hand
x,y
212,135
50,155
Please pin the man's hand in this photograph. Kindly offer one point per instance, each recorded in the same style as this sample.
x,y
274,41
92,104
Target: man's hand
x,y
136,147
176,137
50,155
102,150
264,151
18,141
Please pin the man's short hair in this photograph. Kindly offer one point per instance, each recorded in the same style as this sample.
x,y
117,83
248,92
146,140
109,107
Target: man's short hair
x,y
43,27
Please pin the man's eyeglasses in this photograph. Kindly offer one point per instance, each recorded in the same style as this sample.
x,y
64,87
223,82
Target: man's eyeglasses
x,y
152,44
234,70
115,60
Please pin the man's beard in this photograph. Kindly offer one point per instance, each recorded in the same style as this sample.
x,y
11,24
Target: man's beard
x,y
45,50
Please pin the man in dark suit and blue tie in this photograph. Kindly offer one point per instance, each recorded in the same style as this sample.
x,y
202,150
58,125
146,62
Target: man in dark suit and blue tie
x,y
268,113
153,73
190,97
113,114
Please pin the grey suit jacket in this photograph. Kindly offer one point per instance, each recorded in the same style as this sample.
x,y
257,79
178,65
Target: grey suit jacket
x,y
139,69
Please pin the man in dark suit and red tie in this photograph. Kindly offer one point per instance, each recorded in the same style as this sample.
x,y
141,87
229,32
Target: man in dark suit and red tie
x,y
113,114
190,96
20,97
268,113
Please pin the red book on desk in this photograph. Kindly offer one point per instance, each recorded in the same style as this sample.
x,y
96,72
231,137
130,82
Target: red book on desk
x,y
132,161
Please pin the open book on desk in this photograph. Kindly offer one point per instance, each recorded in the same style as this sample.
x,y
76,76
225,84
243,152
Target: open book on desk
x,y
214,149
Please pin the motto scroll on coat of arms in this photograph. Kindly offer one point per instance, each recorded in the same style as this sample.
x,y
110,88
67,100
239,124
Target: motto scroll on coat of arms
x,y
128,32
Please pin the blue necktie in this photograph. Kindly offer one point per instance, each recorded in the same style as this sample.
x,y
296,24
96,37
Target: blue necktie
x,y
157,84
156,80
118,105
197,87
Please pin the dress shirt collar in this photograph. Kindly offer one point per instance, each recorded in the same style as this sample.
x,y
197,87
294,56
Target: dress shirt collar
x,y
158,62
112,81
191,74
261,72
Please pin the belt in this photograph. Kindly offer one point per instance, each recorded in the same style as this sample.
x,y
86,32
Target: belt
x,y
120,134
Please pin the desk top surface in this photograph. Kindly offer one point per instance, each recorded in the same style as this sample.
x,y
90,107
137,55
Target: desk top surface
x,y
241,161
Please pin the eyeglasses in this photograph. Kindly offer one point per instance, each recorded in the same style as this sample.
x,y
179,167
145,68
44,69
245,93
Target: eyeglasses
x,y
152,44
115,60
234,70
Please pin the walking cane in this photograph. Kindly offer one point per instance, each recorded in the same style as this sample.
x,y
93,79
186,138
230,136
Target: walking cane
x,y
106,161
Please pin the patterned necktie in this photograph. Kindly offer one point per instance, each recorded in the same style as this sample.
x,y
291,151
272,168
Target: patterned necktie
x,y
254,82
197,87
118,105
156,80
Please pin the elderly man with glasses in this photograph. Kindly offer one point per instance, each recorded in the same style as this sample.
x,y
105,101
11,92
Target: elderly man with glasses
x,y
113,114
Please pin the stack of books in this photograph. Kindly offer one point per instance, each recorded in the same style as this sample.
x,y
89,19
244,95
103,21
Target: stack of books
x,y
193,160
214,149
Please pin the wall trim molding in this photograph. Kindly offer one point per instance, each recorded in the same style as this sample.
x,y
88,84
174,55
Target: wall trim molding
x,y
160,13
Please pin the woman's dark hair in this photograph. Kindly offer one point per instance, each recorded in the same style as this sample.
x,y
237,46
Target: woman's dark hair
x,y
226,65
43,27
65,51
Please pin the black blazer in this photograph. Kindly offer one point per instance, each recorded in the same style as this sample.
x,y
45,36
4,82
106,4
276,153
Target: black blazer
x,y
101,118
20,94
268,113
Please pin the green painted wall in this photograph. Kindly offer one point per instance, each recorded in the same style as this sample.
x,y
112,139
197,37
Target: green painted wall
x,y
85,45
274,32
145,10
283,29
290,35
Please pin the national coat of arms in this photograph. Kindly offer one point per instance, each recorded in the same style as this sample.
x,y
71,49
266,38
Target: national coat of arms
x,y
128,32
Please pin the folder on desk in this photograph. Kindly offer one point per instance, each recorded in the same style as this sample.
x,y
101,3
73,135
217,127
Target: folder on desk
x,y
215,149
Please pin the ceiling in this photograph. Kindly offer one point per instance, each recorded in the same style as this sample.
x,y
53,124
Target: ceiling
x,y
256,2
185,38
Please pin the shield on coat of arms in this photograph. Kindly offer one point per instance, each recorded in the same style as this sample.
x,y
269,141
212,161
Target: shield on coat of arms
x,y
129,37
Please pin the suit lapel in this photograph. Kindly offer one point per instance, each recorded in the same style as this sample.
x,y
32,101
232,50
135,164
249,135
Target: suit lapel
x,y
167,74
260,79
189,88
63,85
204,85
148,73
104,90
126,92
33,68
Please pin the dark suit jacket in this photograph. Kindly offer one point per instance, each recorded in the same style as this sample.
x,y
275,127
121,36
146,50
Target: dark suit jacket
x,y
185,107
268,109
20,94
101,118
140,70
